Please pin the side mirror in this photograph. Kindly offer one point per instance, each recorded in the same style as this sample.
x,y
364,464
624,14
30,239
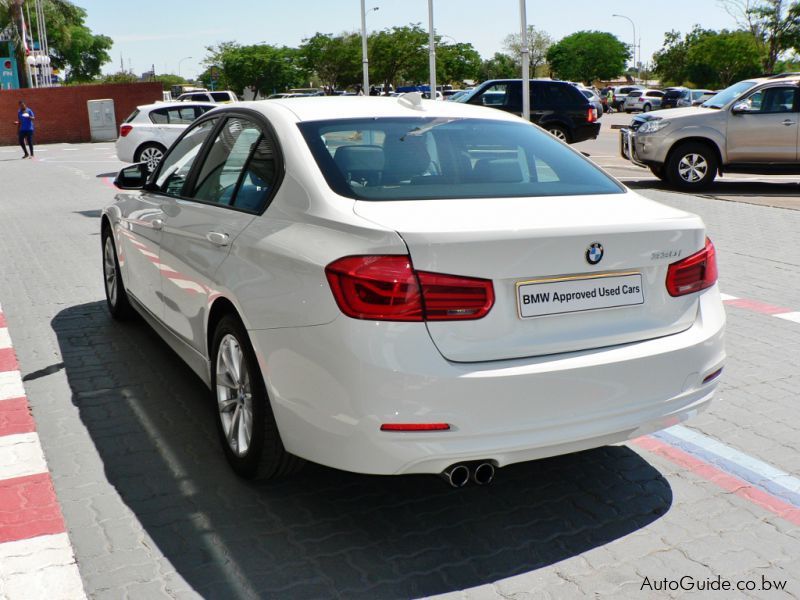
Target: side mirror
x,y
742,107
133,177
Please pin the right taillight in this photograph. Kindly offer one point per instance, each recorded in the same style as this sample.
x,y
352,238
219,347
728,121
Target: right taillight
x,y
694,273
387,288
125,130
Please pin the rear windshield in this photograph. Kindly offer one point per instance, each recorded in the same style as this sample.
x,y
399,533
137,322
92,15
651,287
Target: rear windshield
x,y
440,158
634,94
675,93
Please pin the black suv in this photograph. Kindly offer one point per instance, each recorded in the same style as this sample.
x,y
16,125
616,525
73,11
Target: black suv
x,y
556,106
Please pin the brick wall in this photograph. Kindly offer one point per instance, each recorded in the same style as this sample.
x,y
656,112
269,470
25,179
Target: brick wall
x,y
62,114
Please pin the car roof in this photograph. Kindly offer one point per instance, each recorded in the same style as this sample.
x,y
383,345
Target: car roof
x,y
176,103
322,108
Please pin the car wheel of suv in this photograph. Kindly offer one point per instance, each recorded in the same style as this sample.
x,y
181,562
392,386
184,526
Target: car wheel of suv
x,y
692,165
245,421
151,154
116,297
647,108
558,132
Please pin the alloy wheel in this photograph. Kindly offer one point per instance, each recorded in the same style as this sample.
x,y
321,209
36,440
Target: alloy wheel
x,y
151,156
558,133
234,396
692,168
110,270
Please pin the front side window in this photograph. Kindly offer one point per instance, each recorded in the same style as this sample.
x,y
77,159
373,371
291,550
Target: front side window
x,y
500,95
177,164
772,100
442,158
225,162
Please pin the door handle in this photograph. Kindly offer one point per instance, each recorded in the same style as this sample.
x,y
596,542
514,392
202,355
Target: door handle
x,y
158,224
217,238
788,122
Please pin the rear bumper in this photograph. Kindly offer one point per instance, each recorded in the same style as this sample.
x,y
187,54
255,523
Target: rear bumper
x,y
332,386
586,131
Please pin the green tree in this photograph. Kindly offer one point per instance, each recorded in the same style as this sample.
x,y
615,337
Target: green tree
x,y
774,25
539,43
119,77
263,68
671,61
457,62
167,80
723,58
588,55
400,53
500,66
73,46
335,59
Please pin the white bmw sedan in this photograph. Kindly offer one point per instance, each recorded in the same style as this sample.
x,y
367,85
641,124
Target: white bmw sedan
x,y
393,285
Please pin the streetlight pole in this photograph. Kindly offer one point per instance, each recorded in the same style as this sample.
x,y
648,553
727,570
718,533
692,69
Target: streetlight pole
x,y
179,63
364,58
526,61
431,50
635,64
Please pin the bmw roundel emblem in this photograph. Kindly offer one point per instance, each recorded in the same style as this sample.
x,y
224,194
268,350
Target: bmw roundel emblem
x,y
595,253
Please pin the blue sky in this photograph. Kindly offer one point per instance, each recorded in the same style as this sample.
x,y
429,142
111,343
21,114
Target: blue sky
x,y
162,32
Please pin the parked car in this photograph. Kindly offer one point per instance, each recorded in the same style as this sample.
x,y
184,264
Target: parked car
x,y
150,129
222,96
682,96
642,100
594,99
750,127
706,95
398,285
556,106
621,92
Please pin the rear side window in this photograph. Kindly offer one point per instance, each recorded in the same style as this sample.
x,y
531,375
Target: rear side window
x,y
132,116
443,158
221,96
560,94
181,115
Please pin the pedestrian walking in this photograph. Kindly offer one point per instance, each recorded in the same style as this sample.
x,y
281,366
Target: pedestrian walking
x,y
25,119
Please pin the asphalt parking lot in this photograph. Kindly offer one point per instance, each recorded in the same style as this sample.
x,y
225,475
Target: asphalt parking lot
x,y
153,511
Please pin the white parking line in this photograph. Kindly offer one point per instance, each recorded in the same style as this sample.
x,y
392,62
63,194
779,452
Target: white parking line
x,y
790,316
5,339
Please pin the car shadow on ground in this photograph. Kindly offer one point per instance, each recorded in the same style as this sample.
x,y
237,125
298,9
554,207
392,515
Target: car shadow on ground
x,y
323,532
733,189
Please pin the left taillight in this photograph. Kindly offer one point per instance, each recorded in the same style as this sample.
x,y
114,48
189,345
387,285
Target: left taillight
x,y
388,288
694,273
125,129
591,115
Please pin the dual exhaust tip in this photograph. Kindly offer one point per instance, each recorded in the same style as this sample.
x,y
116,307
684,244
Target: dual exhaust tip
x,y
460,474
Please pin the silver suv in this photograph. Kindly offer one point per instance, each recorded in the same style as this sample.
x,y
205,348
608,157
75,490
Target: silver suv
x,y
750,127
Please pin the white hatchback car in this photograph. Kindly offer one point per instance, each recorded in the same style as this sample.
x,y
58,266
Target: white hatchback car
x,y
392,285
150,129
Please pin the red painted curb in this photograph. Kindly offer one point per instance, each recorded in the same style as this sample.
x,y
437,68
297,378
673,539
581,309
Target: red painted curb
x,y
29,508
15,417
8,360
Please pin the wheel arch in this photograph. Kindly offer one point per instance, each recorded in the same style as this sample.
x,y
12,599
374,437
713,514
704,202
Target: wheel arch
x,y
696,140
221,307
140,148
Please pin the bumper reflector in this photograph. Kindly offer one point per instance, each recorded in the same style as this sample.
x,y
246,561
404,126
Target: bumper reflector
x,y
415,427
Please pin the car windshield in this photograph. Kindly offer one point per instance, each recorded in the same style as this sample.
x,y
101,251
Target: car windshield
x,y
442,158
728,94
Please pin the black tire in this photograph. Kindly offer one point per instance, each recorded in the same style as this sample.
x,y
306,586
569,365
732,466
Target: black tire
x,y
264,456
658,171
559,132
151,153
647,108
116,296
692,166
